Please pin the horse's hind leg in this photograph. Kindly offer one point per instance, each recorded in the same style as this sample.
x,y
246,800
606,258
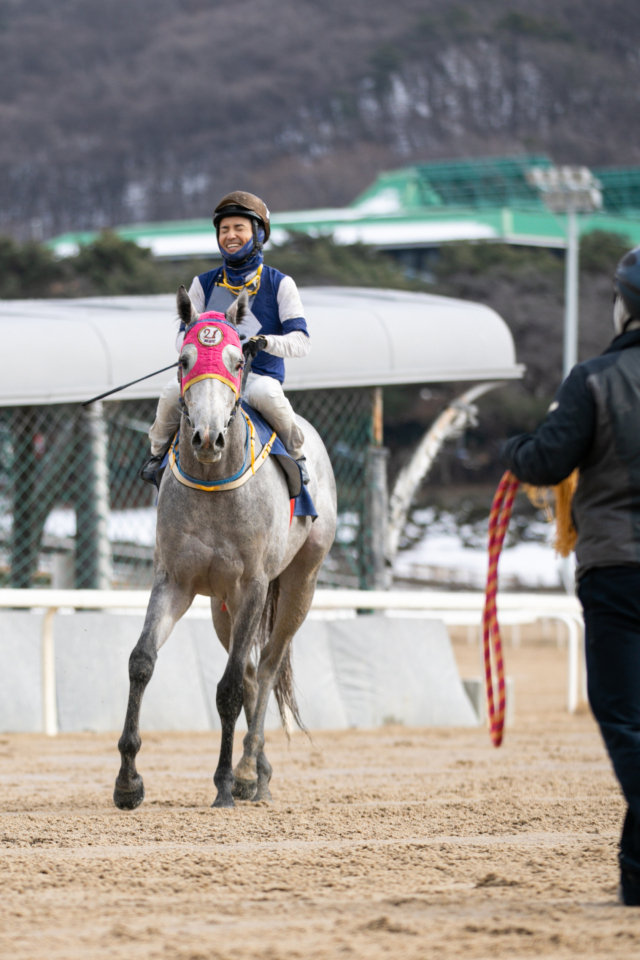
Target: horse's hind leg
x,y
246,789
166,605
296,587
242,790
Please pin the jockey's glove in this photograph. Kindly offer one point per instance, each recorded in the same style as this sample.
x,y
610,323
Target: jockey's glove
x,y
254,345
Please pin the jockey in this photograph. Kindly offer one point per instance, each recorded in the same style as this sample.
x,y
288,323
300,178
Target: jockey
x,y
242,227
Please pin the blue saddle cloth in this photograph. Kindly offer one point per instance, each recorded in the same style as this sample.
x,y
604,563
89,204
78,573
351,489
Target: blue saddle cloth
x,y
304,506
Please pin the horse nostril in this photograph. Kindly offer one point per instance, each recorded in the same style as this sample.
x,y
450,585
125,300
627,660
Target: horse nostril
x,y
219,444
196,439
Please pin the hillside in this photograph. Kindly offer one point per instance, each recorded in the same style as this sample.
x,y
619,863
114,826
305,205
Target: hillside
x,y
115,111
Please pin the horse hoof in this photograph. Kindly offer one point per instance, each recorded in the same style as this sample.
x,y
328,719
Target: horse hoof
x,y
244,789
223,801
129,799
263,793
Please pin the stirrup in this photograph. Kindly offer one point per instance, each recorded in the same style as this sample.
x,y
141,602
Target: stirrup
x,y
304,473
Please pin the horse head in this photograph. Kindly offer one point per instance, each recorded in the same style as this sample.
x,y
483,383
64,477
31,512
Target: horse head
x,y
211,365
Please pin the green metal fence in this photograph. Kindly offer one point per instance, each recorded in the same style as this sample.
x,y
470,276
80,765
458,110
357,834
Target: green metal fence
x,y
73,512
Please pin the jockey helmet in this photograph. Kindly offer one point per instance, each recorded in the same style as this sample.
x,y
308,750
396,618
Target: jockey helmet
x,y
626,281
245,205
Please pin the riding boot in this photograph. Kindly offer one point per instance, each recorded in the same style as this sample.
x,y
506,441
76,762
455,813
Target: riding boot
x,y
150,471
150,468
304,473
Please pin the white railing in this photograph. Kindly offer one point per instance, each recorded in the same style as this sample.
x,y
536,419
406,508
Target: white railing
x,y
454,608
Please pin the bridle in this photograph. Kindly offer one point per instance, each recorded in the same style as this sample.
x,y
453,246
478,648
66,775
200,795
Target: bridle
x,y
215,367
246,369
232,416
251,462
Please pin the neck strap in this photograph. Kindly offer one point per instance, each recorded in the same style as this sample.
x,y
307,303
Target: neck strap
x,y
229,483
251,286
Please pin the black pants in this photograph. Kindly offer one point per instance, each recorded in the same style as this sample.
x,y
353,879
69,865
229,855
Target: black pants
x,y
610,597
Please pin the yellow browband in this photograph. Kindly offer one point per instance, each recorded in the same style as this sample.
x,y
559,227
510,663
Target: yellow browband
x,y
209,376
249,472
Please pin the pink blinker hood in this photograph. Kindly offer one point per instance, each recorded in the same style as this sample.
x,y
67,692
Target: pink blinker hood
x,y
210,335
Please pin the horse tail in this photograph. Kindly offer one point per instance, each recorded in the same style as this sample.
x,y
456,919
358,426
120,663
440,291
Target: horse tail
x,y
284,689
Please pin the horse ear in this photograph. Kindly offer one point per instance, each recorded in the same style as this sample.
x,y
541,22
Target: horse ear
x,y
185,308
238,309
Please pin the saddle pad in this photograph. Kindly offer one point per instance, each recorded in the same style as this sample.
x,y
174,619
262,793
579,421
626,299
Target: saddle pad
x,y
304,506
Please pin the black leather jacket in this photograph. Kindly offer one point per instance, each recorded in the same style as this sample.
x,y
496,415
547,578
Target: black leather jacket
x,y
594,424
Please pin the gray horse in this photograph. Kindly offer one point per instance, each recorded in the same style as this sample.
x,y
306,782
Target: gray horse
x,y
239,548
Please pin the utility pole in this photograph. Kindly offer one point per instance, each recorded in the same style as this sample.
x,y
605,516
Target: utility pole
x,y
568,190
375,575
570,351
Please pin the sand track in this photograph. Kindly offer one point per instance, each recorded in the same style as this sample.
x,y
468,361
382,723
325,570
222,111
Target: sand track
x,y
390,843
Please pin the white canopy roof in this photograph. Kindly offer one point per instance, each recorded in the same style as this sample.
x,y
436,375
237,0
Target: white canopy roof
x,y
59,351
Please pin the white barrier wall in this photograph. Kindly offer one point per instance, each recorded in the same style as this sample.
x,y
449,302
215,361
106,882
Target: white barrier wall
x,y
359,672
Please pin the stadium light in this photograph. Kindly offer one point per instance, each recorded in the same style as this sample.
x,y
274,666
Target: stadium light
x,y
569,190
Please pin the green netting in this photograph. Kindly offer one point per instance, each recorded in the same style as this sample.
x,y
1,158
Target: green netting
x,y
73,512
620,188
484,182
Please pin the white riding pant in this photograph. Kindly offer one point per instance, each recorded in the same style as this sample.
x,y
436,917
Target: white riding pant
x,y
263,393
167,421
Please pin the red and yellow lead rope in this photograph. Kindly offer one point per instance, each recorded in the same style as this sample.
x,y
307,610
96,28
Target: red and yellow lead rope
x,y
492,644
565,541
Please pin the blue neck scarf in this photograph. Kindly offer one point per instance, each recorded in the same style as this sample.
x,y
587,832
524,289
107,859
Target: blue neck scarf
x,y
237,275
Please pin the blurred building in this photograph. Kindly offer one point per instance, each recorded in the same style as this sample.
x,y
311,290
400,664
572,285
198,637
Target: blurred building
x,y
413,211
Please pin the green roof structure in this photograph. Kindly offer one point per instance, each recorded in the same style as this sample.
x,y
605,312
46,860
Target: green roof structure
x,y
491,182
620,189
418,207
486,182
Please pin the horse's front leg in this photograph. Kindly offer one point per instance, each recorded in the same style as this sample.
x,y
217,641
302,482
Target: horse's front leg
x,y
167,604
245,617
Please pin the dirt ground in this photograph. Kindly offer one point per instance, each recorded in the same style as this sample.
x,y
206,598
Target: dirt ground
x,y
392,843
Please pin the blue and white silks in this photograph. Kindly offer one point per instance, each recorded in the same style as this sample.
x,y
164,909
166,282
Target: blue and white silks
x,y
264,304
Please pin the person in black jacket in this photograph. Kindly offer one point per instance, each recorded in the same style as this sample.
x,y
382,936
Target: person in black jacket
x,y
594,424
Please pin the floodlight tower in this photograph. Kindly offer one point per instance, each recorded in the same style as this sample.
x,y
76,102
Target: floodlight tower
x,y
569,190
